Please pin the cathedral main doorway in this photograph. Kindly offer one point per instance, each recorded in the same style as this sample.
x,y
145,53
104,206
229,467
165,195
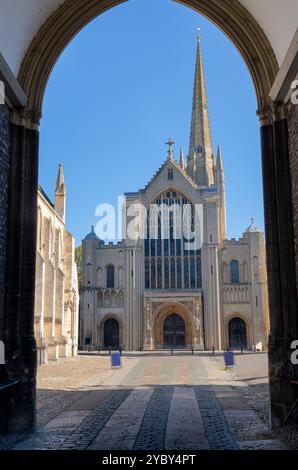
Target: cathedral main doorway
x,y
174,331
237,334
111,334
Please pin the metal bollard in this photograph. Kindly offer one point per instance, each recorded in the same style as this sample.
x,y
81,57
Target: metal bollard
x,y
241,350
110,350
213,350
192,350
172,352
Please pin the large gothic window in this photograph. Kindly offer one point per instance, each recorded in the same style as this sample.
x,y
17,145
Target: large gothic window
x,y
170,263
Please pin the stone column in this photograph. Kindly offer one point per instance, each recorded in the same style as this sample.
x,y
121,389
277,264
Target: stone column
x,y
19,299
280,263
5,163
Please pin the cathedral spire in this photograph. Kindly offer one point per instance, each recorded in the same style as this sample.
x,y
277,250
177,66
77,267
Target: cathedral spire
x,y
182,159
200,145
60,194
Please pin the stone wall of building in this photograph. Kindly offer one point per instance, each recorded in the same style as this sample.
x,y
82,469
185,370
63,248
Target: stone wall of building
x,y
4,181
56,286
293,147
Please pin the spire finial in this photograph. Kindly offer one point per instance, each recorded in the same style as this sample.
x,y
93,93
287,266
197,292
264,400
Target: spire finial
x,y
170,143
182,159
199,34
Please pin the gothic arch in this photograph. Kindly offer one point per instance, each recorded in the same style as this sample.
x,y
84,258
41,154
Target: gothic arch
x,y
60,28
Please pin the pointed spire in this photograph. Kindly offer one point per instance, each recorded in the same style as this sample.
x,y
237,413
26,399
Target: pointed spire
x,y
60,184
252,228
200,135
219,165
60,194
182,159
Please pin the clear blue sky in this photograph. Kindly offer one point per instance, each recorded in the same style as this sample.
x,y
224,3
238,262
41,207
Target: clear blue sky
x,y
123,87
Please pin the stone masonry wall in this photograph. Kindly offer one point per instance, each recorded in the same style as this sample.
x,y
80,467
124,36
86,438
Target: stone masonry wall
x,y
293,148
4,177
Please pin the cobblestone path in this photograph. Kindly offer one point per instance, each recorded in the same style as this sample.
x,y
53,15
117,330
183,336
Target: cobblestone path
x,y
156,402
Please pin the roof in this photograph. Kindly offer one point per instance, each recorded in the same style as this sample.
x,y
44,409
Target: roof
x,y
252,228
92,235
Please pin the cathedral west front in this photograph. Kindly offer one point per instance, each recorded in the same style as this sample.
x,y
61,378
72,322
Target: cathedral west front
x,y
160,289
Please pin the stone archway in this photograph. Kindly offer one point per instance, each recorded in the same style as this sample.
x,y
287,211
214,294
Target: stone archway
x,y
60,28
174,329
236,22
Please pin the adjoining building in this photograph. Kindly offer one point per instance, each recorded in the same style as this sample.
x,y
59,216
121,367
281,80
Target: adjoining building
x,y
151,293
56,286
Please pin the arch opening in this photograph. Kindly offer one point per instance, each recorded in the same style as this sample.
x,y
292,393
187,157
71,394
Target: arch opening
x,y
237,333
174,331
111,334
46,47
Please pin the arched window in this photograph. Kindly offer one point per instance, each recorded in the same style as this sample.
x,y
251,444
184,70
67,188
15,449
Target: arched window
x,y
235,277
110,276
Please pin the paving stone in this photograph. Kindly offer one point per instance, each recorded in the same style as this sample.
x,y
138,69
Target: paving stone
x,y
185,429
122,429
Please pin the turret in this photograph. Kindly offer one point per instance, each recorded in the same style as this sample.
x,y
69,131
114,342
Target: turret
x,y
60,194
182,159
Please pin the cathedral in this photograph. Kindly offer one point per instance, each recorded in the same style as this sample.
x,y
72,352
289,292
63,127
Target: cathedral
x,y
153,291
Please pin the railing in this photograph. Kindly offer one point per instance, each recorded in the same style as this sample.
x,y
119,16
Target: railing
x,y
10,384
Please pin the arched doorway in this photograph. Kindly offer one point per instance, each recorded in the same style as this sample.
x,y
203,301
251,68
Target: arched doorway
x,y
111,333
174,331
237,334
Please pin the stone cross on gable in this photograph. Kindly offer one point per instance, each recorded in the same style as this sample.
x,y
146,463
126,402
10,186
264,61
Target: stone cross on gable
x,y
170,143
